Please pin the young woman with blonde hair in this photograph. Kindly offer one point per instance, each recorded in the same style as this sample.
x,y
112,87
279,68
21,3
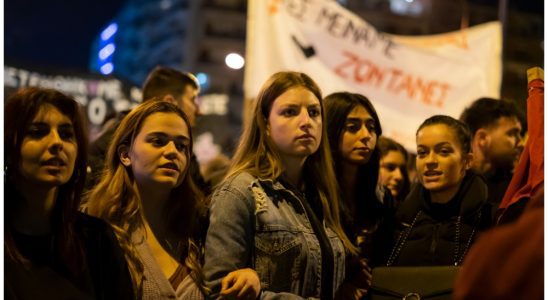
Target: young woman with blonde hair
x,y
277,210
145,193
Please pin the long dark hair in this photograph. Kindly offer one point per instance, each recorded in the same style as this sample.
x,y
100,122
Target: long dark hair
x,y
19,111
366,204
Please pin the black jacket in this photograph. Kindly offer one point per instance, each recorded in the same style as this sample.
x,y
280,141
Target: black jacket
x,y
440,234
106,275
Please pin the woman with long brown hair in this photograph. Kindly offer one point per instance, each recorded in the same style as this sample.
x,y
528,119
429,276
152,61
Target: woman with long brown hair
x,y
52,251
277,210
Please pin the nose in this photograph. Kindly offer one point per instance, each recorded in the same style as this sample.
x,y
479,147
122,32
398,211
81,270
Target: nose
x,y
55,142
305,119
364,133
170,150
431,159
398,174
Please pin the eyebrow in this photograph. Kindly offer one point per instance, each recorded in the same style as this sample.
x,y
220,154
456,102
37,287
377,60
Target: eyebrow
x,y
436,145
163,134
48,125
353,119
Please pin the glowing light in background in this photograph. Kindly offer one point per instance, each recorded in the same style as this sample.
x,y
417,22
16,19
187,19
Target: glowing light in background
x,y
202,78
107,51
109,31
234,61
107,68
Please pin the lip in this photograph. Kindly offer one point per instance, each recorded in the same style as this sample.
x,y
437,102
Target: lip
x,y
170,166
432,173
306,137
54,162
364,149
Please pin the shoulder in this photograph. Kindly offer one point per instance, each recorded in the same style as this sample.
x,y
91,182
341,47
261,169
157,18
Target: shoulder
x,y
234,191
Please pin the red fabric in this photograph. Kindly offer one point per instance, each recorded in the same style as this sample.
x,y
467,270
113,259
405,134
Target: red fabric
x,y
507,262
529,174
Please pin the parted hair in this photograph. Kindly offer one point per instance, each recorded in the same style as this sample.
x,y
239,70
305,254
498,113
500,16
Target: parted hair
x,y
462,131
258,155
116,200
338,106
19,111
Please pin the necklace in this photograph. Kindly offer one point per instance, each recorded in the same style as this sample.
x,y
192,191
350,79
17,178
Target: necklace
x,y
404,235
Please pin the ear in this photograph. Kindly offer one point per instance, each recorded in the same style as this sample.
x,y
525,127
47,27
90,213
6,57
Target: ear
x,y
482,138
123,154
468,159
169,98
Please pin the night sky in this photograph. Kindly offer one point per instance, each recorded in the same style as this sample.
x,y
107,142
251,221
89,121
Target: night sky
x,y
54,33
59,33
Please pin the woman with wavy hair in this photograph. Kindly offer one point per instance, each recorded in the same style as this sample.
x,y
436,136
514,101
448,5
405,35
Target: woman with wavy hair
x,y
52,251
277,210
147,196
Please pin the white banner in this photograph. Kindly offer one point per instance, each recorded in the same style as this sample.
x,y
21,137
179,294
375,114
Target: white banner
x,y
406,78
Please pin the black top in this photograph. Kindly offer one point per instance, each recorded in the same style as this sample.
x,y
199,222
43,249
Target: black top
x,y
314,211
105,277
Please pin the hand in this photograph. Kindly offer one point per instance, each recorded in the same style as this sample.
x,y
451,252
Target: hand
x,y
362,279
242,284
348,291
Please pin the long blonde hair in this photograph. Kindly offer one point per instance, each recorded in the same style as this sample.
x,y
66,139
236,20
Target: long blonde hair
x,y
258,155
116,200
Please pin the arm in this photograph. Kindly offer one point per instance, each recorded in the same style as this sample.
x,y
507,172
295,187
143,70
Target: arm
x,y
229,238
230,241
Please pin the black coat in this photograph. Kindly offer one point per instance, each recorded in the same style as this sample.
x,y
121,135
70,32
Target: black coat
x,y
430,234
106,275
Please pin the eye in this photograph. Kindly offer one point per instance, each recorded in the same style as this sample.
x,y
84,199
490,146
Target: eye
x,y
37,132
421,153
390,167
289,112
66,134
181,147
314,112
446,151
158,141
371,126
352,127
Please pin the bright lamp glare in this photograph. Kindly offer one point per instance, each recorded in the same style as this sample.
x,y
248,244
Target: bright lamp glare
x,y
107,68
107,51
202,78
234,61
109,31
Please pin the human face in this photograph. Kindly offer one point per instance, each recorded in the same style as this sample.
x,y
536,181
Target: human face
x,y
188,104
359,137
441,165
391,171
295,123
503,142
160,151
48,149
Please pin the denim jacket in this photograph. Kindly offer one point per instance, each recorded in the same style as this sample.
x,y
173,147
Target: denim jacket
x,y
260,224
